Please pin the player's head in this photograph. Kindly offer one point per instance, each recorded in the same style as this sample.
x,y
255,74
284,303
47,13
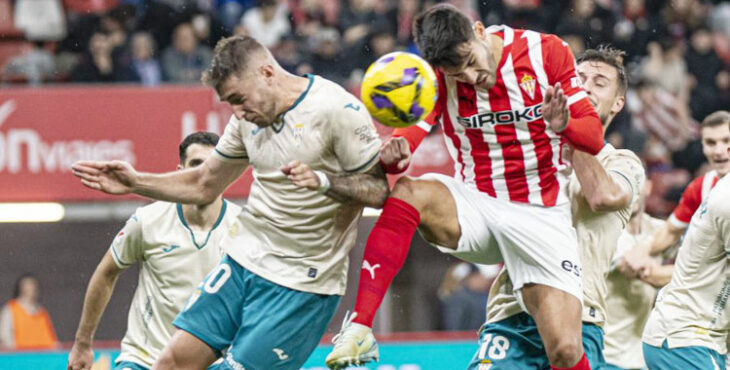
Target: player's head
x,y
244,74
716,141
27,287
449,41
605,81
195,148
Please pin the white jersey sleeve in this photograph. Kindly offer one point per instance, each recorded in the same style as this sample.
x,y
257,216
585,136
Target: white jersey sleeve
x,y
355,141
230,146
127,247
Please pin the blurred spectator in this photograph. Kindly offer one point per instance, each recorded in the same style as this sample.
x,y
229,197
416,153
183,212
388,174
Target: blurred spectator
x,y
355,21
186,59
97,65
288,55
666,67
326,61
145,65
24,323
401,18
463,294
593,23
231,11
40,20
635,28
267,23
704,67
36,66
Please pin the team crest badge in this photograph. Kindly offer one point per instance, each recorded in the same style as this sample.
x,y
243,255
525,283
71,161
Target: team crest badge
x,y
527,83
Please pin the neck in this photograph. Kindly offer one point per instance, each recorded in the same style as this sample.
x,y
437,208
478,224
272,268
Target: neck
x,y
634,225
202,217
291,87
496,45
26,301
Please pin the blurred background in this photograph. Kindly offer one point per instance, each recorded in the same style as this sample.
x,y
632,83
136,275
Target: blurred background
x,y
119,79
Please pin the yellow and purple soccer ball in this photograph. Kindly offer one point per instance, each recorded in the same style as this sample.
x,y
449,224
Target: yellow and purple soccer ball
x,y
399,89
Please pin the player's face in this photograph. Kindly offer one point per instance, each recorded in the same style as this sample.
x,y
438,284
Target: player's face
x,y
195,155
600,82
250,98
715,145
479,67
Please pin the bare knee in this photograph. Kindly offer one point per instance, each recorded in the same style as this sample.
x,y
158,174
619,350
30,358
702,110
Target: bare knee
x,y
565,352
166,361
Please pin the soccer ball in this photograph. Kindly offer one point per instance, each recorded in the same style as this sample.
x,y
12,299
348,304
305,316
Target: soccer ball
x,y
399,89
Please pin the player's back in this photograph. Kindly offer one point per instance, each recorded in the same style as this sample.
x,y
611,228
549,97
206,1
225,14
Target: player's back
x,y
174,260
691,309
498,138
293,236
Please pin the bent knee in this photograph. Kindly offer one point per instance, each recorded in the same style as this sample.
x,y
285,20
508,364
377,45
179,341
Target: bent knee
x,y
565,352
165,361
416,192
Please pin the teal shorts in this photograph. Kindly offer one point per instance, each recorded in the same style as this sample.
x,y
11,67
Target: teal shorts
x,y
266,325
127,365
685,358
514,343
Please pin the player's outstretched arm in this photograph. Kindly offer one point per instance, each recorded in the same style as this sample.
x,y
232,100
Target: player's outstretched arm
x,y
666,236
602,191
368,188
198,185
97,297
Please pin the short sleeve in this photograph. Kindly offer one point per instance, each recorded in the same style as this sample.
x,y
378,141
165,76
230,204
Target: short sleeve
x,y
230,147
561,67
691,200
356,143
628,168
127,247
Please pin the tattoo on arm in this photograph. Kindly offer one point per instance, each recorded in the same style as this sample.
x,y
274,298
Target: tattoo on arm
x,y
368,188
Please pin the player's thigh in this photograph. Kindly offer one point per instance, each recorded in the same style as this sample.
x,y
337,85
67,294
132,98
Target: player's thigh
x,y
128,365
214,311
512,343
690,358
456,219
185,351
557,315
281,327
593,346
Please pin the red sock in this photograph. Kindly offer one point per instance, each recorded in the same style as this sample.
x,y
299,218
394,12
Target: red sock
x,y
385,253
581,365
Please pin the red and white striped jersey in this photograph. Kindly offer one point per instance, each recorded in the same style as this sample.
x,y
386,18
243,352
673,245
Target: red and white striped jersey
x,y
693,196
497,137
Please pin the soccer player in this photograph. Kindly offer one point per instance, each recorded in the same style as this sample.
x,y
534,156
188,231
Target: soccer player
x,y
177,245
629,300
689,325
509,101
715,143
602,192
314,152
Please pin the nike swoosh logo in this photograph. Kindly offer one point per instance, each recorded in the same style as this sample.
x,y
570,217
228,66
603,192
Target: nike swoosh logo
x,y
170,248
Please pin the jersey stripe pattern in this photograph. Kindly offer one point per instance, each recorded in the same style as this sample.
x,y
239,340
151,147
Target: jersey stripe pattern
x,y
497,137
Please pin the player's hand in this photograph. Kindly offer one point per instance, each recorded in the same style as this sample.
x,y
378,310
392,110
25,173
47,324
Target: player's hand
x,y
81,357
112,177
396,152
301,175
555,108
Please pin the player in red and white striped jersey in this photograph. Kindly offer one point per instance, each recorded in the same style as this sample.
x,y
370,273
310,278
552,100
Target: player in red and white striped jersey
x,y
715,144
509,101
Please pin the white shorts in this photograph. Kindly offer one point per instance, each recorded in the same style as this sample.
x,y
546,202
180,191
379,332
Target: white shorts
x,y
537,244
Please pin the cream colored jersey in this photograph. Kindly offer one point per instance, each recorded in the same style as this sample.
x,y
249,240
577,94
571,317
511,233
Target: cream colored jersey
x,y
292,236
174,260
691,310
597,234
628,304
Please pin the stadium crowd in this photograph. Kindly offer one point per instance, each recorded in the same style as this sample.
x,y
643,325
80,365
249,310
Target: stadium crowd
x,y
678,52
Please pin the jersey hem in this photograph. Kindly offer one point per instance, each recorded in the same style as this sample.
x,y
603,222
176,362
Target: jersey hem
x,y
227,157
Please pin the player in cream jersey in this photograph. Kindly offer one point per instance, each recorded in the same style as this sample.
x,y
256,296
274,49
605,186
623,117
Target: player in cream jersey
x,y
689,325
629,300
314,153
176,246
602,192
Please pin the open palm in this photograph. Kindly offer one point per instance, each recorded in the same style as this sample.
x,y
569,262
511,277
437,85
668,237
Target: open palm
x,y
112,177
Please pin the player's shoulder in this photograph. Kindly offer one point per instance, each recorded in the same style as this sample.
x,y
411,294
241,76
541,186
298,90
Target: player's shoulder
x,y
232,209
623,157
695,186
154,211
717,201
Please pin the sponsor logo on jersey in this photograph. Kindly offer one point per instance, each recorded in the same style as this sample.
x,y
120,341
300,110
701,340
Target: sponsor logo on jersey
x,y
527,83
572,267
507,117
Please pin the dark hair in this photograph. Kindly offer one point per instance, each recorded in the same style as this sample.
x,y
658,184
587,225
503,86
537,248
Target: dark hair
x,y
721,117
439,31
202,138
230,56
16,289
614,58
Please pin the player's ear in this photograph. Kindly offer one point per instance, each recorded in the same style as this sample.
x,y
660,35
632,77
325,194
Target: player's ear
x,y
267,70
618,104
479,30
